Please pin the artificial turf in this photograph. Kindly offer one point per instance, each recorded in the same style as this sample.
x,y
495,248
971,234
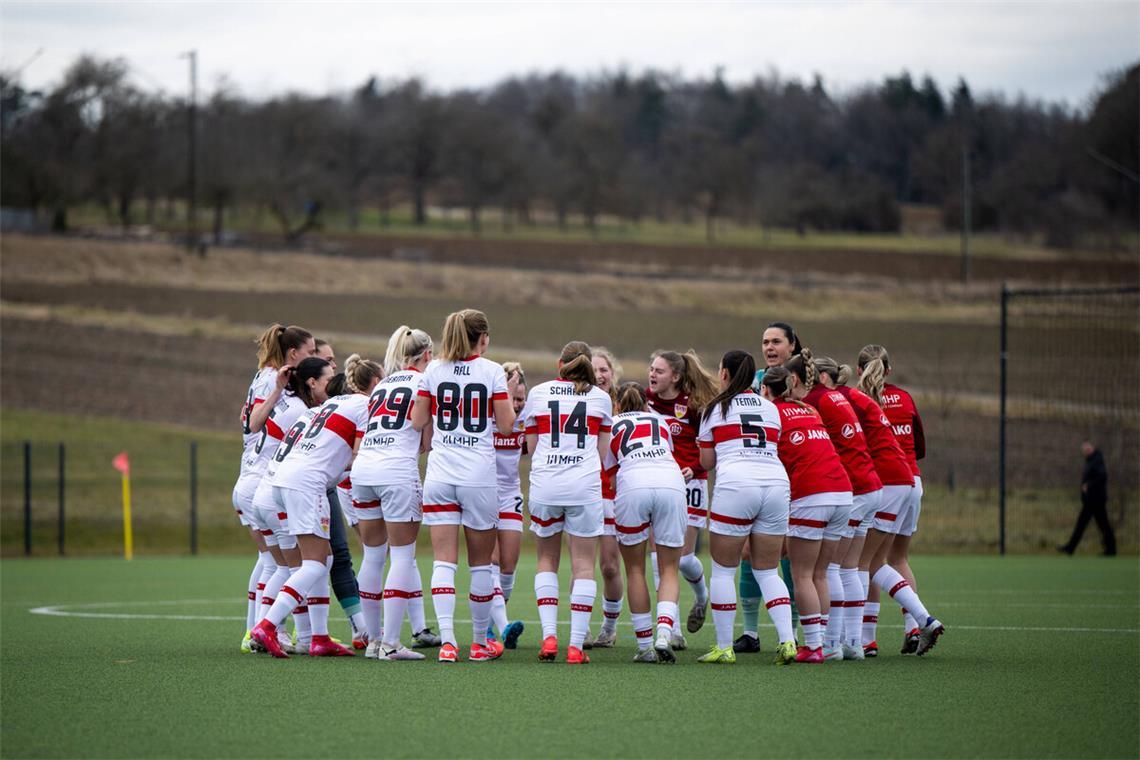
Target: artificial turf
x,y
1041,659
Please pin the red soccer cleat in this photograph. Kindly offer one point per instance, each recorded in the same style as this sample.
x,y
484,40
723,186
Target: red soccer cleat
x,y
265,635
575,656
360,641
871,650
803,654
496,646
448,653
324,646
484,652
549,650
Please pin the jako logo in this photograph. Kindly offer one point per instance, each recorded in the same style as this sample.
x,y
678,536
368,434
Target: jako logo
x,y
848,431
902,430
883,419
796,438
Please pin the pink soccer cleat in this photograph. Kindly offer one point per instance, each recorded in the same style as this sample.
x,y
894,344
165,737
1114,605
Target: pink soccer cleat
x,y
575,656
485,652
448,653
324,646
549,650
803,654
264,634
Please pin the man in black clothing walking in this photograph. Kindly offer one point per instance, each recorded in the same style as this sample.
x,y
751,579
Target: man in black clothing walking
x,y
1094,501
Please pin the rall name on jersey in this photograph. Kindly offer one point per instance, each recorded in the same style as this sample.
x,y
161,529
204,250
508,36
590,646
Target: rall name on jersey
x,y
462,369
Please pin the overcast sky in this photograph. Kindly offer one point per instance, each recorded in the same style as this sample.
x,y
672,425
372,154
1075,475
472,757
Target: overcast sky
x,y
1054,51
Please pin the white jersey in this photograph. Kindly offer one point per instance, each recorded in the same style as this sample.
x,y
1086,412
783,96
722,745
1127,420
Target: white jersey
x,y
462,444
745,441
508,452
263,495
259,390
319,458
565,468
287,410
390,450
642,450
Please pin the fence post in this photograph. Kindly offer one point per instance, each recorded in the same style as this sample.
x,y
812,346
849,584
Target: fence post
x,y
27,497
1005,293
193,497
62,493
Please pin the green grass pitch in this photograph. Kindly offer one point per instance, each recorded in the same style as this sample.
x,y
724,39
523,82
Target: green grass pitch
x,y
1041,659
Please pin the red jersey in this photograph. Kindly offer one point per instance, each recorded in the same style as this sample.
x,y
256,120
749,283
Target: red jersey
x,y
890,461
684,425
907,425
806,451
847,436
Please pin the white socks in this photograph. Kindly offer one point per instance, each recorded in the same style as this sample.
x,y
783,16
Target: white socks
x,y
667,614
482,592
370,579
642,629
891,581
694,572
507,583
499,603
255,586
611,611
833,635
294,591
546,592
870,621
443,599
777,601
723,598
853,606
403,582
319,602
582,595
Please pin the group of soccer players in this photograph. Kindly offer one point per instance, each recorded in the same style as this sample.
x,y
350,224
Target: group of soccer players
x,y
817,494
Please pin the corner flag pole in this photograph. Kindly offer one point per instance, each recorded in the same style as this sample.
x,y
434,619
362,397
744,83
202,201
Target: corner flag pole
x,y
122,463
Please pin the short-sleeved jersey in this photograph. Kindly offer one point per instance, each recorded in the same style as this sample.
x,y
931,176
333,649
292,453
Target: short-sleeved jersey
x,y
565,468
642,451
462,395
907,425
259,389
807,453
684,424
264,492
746,439
847,436
318,459
285,412
508,452
390,450
890,461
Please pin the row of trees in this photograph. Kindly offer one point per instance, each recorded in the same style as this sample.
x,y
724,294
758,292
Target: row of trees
x,y
771,152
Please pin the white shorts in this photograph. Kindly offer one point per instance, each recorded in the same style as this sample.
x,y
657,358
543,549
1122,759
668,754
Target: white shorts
x,y
894,504
344,496
908,517
394,503
740,510
473,507
863,509
639,509
510,512
820,516
609,518
582,520
243,502
308,514
697,502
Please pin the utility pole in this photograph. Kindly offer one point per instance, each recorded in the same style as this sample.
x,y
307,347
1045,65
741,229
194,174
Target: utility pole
x,y
192,156
965,214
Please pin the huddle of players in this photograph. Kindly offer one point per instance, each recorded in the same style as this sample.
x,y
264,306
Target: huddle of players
x,y
805,466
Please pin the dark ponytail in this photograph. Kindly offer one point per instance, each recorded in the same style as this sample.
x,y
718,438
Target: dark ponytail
x,y
741,372
310,368
631,398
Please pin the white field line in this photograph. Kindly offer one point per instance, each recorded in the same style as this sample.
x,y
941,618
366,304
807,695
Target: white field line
x,y
59,611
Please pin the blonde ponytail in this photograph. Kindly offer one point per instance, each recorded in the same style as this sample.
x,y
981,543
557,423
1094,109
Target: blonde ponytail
x,y
276,341
405,347
577,365
631,398
874,364
359,373
840,374
461,333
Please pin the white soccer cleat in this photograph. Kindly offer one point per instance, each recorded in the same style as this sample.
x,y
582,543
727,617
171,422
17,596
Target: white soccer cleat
x,y
395,654
853,653
373,651
929,635
605,639
663,649
833,653
678,643
645,655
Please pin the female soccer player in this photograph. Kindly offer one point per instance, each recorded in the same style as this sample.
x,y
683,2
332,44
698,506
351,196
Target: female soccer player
x,y
779,343
891,558
867,493
306,389
606,370
650,494
739,437
278,347
463,392
679,389
308,467
821,495
508,452
568,429
894,472
387,496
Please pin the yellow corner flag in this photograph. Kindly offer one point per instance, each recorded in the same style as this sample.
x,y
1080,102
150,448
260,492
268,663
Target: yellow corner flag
x,y
122,463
